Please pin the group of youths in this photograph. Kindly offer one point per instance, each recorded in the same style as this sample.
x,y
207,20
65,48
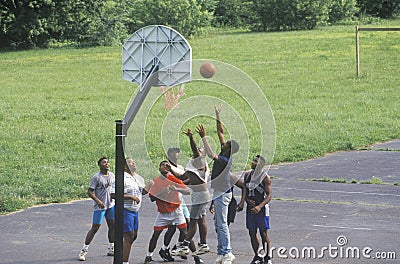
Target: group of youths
x,y
167,192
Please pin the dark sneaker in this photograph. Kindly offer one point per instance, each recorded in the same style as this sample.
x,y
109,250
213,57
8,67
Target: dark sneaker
x,y
166,256
257,260
198,260
267,260
148,260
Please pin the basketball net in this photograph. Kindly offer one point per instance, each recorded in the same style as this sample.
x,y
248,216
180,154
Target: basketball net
x,y
171,96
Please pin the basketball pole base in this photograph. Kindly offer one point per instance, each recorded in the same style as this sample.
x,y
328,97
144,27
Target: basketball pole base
x,y
119,191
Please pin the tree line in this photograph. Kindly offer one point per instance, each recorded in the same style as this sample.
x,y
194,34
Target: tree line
x,y
26,24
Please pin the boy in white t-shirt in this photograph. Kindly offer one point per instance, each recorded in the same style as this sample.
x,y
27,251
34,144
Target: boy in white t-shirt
x,y
133,187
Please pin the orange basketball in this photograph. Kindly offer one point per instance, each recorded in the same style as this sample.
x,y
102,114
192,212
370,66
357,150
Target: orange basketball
x,y
207,70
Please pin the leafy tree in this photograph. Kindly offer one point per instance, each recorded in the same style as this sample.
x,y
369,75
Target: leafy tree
x,y
186,16
342,10
379,8
23,23
73,19
263,15
283,15
27,24
36,23
235,13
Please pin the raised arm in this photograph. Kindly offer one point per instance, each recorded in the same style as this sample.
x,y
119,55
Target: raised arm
x,y
193,144
202,132
220,128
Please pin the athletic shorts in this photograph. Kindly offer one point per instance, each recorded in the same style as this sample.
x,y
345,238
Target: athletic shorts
x,y
254,221
199,204
131,221
164,220
98,215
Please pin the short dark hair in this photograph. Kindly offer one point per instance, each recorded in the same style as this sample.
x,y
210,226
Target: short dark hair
x,y
101,159
163,162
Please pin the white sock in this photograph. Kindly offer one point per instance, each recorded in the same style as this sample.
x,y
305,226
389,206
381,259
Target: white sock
x,y
149,254
125,262
85,247
164,247
111,245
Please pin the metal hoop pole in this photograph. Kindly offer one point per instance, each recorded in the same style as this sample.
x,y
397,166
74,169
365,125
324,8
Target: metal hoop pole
x,y
119,191
141,95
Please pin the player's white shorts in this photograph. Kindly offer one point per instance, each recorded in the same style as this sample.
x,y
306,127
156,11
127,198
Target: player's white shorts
x,y
164,220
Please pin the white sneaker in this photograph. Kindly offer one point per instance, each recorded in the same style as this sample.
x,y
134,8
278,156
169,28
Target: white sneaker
x,y
182,250
203,249
82,255
110,251
228,258
219,259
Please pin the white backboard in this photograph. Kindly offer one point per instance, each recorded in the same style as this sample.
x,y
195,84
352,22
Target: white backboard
x,y
157,45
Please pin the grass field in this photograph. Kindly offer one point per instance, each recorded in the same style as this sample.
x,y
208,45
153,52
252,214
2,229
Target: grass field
x,y
59,106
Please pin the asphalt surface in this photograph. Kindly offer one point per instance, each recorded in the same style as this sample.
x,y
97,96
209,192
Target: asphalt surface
x,y
312,221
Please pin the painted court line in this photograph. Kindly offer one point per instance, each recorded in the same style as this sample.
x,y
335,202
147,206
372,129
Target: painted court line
x,y
343,192
345,227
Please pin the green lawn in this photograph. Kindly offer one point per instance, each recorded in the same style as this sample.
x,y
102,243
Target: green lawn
x,y
59,106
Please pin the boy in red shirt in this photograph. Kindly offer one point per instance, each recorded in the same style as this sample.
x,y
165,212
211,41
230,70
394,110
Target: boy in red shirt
x,y
165,192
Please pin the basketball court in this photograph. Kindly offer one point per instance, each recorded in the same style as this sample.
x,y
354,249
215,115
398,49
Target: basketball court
x,y
305,216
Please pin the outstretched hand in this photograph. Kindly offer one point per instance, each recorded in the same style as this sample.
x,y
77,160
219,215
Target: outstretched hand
x,y
201,130
188,133
218,109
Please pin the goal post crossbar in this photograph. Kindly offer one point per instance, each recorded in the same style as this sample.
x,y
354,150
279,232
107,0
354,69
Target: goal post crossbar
x,y
358,42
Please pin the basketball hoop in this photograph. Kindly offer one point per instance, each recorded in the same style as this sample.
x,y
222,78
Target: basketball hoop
x,y
172,95
153,56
